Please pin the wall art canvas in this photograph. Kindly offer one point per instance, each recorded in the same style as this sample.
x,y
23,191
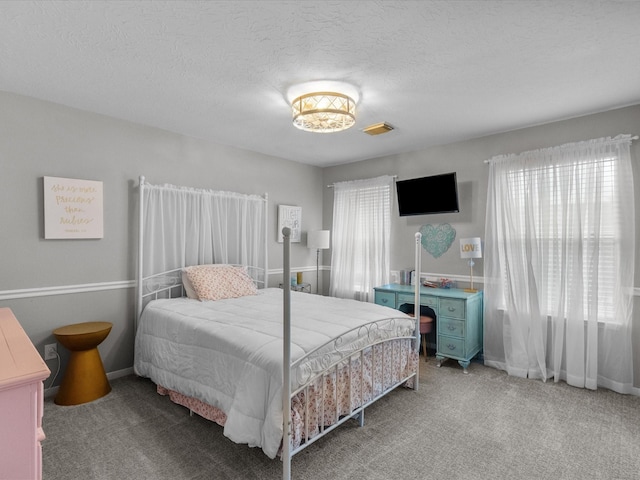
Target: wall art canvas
x,y
290,216
73,208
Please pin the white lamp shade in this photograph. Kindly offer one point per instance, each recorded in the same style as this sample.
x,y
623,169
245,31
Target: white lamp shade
x,y
471,247
318,239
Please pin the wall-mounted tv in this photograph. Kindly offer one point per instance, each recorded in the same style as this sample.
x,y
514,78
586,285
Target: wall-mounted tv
x,y
428,195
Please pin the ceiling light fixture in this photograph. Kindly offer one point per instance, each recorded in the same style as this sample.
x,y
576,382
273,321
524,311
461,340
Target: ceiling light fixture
x,y
324,112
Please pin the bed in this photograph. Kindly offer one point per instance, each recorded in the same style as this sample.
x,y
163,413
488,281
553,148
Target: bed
x,y
278,369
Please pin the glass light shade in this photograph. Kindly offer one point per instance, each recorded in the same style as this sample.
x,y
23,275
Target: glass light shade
x,y
324,112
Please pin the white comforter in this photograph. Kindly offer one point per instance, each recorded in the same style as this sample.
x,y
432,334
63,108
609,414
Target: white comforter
x,y
228,353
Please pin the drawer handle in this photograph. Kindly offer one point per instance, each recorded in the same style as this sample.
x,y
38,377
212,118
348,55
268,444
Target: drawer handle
x,y
384,300
452,309
451,347
451,328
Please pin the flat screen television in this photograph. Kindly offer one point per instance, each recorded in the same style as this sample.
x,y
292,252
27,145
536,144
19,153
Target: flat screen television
x,y
428,195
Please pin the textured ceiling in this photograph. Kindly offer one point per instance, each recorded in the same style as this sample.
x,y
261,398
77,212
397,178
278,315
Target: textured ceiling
x,y
438,71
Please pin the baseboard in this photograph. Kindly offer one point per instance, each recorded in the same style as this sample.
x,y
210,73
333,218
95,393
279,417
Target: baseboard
x,y
120,373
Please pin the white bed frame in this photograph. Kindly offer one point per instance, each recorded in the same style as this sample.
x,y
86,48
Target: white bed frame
x,y
169,284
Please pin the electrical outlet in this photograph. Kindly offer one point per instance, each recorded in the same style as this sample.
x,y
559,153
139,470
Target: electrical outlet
x,y
50,351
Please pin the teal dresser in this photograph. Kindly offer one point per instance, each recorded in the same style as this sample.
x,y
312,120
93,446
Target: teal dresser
x,y
459,318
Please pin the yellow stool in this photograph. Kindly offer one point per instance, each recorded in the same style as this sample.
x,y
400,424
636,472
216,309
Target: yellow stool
x,y
85,379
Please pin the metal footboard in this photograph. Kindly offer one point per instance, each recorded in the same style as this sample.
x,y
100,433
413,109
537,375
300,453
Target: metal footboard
x,y
329,359
362,376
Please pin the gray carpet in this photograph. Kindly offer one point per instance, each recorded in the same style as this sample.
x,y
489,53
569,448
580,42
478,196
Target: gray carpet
x,y
484,425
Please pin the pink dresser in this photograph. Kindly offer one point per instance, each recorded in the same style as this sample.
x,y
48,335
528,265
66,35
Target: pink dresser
x,y
22,372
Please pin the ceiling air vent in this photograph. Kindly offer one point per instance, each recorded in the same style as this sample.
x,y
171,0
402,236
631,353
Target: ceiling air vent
x,y
378,128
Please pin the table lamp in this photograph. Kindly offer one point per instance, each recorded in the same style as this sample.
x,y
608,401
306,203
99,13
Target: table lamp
x,y
471,248
320,240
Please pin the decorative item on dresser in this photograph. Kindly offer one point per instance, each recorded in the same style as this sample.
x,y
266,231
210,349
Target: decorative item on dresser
x,y
459,318
22,372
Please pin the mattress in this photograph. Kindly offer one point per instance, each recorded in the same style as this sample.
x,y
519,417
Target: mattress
x,y
228,353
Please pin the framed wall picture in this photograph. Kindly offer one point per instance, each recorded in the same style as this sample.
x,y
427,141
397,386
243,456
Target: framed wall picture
x,y
289,216
72,208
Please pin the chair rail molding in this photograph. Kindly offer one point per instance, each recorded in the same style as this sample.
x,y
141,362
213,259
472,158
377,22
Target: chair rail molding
x,y
65,289
103,286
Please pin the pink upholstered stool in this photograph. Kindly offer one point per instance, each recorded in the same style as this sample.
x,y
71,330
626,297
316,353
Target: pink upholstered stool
x,y
426,324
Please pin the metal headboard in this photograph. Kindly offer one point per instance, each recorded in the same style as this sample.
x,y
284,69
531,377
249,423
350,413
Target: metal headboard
x,y
168,284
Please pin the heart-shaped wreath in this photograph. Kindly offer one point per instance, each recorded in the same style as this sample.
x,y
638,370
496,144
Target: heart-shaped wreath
x,y
437,239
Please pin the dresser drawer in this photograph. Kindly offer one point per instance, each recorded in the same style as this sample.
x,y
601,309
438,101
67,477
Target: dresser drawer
x,y
452,307
451,346
452,327
388,299
427,300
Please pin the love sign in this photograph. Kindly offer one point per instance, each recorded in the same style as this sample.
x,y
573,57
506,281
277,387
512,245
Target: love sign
x,y
470,248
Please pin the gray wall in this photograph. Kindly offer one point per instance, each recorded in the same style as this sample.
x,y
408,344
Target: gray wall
x,y
467,159
44,139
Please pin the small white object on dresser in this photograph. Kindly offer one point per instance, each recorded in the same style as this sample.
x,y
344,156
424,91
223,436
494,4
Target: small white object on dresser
x,y
22,372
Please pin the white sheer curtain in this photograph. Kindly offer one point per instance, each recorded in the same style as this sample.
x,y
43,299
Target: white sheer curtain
x,y
361,235
559,260
187,226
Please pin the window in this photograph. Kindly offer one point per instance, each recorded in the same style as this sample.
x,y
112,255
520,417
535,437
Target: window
x,y
361,235
559,264
553,205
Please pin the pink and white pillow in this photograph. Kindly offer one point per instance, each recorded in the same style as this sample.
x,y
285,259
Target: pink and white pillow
x,y
217,282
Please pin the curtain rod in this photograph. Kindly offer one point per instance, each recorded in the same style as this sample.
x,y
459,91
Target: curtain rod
x,y
392,176
615,139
